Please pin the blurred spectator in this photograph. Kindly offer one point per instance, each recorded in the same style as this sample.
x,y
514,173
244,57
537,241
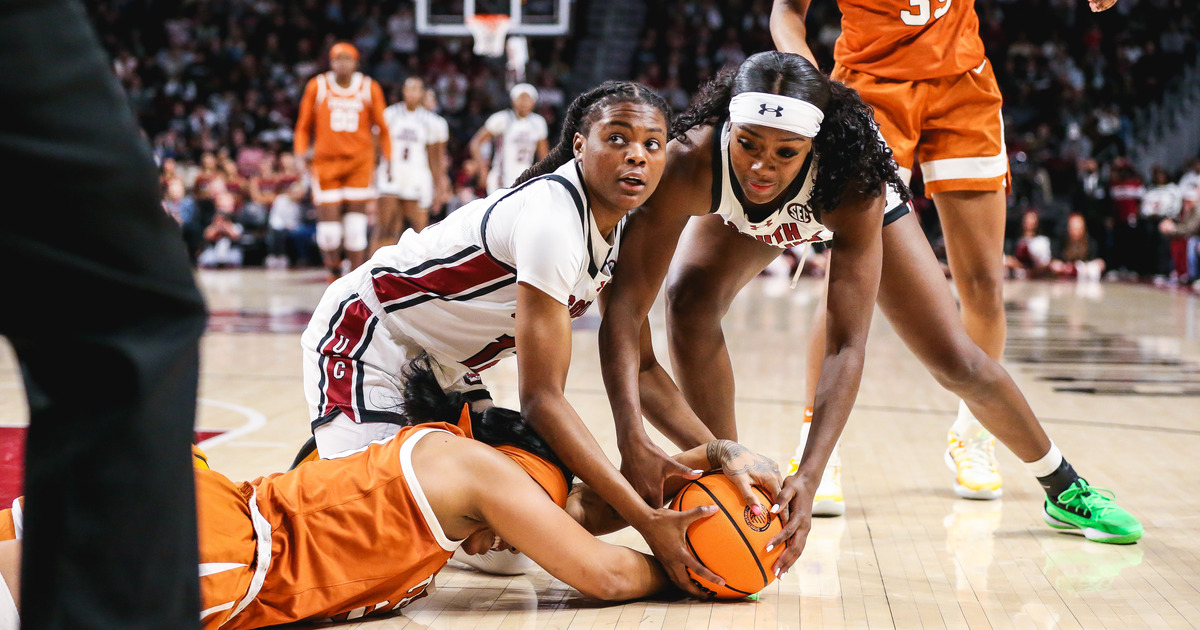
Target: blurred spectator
x,y
221,236
1077,258
1183,233
1126,191
1162,201
286,241
1032,256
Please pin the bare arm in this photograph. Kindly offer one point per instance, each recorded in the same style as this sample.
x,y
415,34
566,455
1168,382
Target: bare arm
x,y
787,27
438,166
476,146
854,271
304,121
379,121
543,147
523,516
543,357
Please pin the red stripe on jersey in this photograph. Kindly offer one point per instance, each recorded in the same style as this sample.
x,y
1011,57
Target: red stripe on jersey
x,y
480,360
443,282
339,362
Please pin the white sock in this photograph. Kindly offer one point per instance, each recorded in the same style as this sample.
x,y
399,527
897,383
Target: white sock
x,y
9,618
1047,464
834,456
966,427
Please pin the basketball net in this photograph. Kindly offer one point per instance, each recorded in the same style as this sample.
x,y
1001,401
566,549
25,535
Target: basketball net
x,y
489,32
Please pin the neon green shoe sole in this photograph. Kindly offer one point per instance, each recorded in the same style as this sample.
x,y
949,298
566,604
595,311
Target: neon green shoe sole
x,y
1093,513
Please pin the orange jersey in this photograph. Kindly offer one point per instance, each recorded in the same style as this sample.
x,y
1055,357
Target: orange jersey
x,y
338,121
909,40
333,539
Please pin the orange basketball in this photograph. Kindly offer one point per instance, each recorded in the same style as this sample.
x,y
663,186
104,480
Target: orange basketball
x,y
731,543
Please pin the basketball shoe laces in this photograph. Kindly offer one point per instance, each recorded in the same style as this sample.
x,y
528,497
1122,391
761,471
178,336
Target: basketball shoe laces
x,y
1097,501
978,454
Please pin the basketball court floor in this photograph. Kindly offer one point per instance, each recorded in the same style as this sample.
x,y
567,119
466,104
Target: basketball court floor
x,y
1112,370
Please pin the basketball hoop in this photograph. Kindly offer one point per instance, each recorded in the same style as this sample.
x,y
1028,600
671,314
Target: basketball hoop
x,y
489,31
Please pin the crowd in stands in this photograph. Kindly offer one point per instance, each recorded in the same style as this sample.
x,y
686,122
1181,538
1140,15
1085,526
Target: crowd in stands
x,y
217,86
1071,80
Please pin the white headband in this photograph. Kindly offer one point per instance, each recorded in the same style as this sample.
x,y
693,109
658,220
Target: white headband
x,y
774,110
523,88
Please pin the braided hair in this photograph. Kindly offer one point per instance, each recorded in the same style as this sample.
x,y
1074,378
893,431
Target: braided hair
x,y
854,158
583,112
425,401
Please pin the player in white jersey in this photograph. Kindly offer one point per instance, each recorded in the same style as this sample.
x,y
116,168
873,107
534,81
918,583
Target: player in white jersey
x,y
785,120
418,166
501,275
443,190
520,137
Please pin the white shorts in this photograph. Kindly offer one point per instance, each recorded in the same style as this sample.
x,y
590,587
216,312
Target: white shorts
x,y
352,364
407,183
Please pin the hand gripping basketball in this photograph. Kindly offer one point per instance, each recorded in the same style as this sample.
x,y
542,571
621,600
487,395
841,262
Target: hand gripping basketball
x,y
747,470
794,505
666,534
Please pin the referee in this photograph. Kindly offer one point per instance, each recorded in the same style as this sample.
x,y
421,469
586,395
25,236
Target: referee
x,y
100,305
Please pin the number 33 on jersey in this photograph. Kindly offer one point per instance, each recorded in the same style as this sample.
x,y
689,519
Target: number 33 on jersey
x,y
909,40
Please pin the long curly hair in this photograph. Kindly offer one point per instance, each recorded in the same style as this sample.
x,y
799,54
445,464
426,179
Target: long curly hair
x,y
583,112
854,157
425,401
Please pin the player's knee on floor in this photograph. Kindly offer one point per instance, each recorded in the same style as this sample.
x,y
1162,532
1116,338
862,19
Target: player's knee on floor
x,y
329,235
355,224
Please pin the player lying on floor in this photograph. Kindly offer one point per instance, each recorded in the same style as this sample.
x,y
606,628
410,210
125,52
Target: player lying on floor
x,y
366,533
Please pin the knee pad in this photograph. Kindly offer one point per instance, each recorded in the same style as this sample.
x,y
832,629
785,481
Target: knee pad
x,y
329,235
356,231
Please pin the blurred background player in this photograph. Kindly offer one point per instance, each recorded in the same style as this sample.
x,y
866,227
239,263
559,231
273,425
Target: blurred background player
x,y
921,66
442,189
112,532
339,112
520,137
417,167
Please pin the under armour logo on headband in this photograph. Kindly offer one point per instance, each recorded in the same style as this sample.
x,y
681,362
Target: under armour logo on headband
x,y
778,111
792,114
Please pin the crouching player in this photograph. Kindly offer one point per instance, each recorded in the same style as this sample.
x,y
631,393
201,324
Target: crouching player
x,y
365,534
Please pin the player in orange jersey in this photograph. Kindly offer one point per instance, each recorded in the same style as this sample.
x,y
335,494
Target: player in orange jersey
x,y
314,544
920,64
339,112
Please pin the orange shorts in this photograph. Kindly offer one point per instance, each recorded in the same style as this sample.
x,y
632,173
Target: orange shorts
x,y
335,180
951,125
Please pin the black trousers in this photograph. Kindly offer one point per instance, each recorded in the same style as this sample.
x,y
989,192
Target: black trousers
x,y
98,300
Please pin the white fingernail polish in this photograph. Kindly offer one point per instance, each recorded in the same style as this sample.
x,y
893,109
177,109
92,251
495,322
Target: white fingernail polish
x,y
697,472
775,509
776,571
769,548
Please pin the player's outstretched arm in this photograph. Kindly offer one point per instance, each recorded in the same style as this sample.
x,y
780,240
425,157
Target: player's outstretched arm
x,y
854,271
637,384
543,356
788,29
522,515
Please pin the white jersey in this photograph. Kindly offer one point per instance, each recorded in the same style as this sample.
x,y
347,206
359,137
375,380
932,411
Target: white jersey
x,y
407,175
452,288
795,221
517,144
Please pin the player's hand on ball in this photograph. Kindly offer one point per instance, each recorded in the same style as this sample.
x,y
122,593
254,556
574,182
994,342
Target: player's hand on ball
x,y
1101,5
794,506
745,469
647,468
666,534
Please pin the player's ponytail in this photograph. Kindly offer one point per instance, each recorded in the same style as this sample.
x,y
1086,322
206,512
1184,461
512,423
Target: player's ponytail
x,y
583,111
853,156
425,401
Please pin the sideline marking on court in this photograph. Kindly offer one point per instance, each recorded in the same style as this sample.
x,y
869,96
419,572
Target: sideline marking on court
x,y
255,421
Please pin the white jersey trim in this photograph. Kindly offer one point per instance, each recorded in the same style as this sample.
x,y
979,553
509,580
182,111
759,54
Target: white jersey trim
x,y
262,531
414,485
18,517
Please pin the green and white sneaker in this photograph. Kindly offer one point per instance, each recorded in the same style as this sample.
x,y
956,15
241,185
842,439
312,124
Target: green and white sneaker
x,y
1093,511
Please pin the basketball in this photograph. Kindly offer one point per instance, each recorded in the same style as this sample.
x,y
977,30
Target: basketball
x,y
732,543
